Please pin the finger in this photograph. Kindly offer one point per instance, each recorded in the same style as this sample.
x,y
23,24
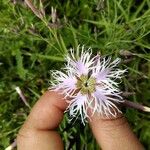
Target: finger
x,y
38,132
114,134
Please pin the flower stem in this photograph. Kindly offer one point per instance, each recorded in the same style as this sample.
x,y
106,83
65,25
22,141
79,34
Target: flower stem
x,y
136,106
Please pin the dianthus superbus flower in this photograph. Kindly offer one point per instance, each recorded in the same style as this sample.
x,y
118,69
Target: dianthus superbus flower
x,y
90,82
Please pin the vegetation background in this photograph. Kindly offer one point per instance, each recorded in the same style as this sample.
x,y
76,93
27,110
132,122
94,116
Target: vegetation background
x,y
35,37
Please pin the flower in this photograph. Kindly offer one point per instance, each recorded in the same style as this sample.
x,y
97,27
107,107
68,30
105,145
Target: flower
x,y
90,82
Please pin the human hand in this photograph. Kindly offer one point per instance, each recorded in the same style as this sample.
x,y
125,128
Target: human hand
x,y
38,131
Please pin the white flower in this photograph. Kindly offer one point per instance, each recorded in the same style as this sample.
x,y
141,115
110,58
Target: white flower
x,y
90,83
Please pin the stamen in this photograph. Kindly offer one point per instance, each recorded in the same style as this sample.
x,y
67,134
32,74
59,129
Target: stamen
x,y
86,84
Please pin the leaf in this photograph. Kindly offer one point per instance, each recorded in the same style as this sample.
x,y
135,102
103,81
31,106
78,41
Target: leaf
x,y
20,68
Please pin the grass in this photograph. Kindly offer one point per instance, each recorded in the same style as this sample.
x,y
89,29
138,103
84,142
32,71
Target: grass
x,y
33,43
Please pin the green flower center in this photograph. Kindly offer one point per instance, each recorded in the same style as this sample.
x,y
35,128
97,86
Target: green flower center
x,y
86,84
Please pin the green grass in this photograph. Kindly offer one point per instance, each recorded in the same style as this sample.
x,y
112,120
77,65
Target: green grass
x,y
30,47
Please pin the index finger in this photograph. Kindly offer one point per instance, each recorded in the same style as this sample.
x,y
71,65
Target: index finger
x,y
38,131
48,112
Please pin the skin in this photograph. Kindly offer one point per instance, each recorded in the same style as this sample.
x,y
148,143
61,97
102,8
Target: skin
x,y
39,130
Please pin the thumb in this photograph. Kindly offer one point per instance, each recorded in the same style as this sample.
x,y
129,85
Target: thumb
x,y
114,134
